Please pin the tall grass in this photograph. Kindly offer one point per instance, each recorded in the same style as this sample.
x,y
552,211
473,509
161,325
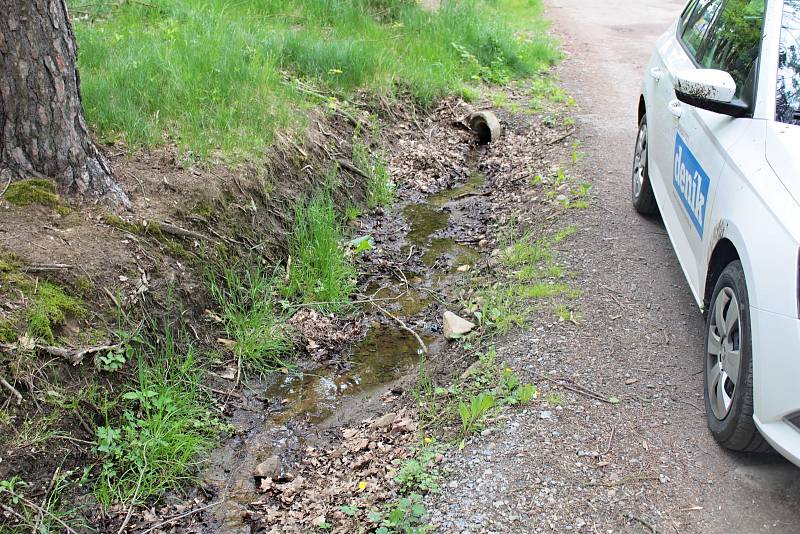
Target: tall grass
x,y
320,272
247,299
210,75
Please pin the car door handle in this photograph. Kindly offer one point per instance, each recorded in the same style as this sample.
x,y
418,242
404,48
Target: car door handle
x,y
656,73
676,108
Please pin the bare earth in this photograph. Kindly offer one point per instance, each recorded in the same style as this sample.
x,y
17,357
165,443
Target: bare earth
x,y
646,464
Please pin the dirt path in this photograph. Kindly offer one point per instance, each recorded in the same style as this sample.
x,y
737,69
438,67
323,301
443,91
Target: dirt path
x,y
646,464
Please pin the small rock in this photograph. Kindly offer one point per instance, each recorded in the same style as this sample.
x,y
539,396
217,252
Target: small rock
x,y
547,414
455,326
483,243
561,198
384,421
318,521
269,468
463,268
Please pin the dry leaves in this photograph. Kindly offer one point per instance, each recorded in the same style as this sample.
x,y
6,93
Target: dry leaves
x,y
357,473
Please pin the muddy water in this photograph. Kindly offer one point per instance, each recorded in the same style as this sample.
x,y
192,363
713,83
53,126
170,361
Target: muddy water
x,y
281,416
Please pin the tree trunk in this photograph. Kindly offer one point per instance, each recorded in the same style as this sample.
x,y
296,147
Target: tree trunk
x,y
42,128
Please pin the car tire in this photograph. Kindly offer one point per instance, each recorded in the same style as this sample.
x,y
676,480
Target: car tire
x,y
728,365
641,190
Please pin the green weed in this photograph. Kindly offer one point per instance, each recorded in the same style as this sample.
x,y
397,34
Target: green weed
x,y
419,474
162,424
247,299
319,271
555,399
473,411
405,515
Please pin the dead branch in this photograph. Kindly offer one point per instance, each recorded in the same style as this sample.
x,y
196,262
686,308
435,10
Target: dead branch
x,y
561,138
11,389
73,356
177,231
181,516
46,267
352,168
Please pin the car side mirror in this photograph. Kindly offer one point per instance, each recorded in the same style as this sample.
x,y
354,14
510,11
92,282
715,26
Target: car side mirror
x,y
710,89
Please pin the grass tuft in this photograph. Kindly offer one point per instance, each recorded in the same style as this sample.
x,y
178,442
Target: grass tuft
x,y
319,272
247,299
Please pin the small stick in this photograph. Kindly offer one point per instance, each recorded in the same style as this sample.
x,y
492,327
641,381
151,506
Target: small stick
x,y
17,395
45,267
559,139
405,327
181,516
352,168
39,509
8,183
610,441
579,389
632,517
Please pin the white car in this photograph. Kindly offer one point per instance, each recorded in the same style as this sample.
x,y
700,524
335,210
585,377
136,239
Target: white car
x,y
718,155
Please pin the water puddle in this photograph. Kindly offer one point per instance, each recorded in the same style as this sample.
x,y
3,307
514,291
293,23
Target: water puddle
x,y
425,220
474,184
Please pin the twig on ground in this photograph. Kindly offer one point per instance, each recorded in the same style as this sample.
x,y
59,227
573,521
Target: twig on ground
x,y
352,168
405,327
632,517
561,138
8,183
11,389
177,231
39,515
37,508
579,389
74,356
46,267
181,516
610,442
135,494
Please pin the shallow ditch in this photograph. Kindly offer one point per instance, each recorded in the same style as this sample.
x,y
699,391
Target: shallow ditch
x,y
415,266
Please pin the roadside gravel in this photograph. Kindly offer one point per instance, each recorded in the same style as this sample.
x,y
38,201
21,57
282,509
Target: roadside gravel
x,y
630,452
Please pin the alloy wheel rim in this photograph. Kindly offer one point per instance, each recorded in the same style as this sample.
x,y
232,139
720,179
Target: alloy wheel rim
x,y
724,353
639,161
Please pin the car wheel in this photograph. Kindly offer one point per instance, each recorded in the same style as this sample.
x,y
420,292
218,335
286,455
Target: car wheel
x,y
728,368
642,192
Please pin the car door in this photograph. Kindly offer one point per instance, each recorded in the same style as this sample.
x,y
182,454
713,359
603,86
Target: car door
x,y
699,138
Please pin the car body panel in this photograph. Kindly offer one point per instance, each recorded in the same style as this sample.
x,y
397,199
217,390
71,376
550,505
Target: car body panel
x,y
752,200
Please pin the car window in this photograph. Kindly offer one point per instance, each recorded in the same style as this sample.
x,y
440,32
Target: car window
x,y
696,22
733,44
787,105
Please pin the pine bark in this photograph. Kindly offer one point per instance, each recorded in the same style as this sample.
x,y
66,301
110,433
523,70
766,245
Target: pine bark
x,y
43,132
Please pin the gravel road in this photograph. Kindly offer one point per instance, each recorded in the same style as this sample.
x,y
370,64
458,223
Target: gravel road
x,y
646,464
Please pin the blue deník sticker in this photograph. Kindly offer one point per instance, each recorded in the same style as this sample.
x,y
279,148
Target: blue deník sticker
x,y
691,182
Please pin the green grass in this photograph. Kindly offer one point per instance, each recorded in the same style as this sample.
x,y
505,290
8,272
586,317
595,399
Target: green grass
x,y
157,429
380,187
252,320
216,77
319,272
